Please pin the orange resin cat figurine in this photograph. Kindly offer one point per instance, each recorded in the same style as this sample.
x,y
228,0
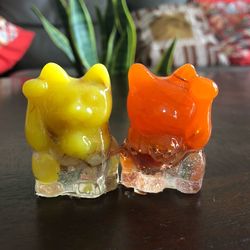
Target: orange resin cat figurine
x,y
170,123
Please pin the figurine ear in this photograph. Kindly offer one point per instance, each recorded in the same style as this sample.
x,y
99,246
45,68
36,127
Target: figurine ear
x,y
203,88
34,88
186,72
54,74
97,73
139,76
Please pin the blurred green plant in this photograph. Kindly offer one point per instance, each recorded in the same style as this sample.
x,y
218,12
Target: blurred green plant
x,y
164,67
118,37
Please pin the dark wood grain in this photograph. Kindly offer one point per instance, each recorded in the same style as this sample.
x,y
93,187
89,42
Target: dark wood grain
x,y
216,218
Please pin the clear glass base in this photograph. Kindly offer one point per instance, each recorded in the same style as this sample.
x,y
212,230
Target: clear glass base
x,y
82,181
186,177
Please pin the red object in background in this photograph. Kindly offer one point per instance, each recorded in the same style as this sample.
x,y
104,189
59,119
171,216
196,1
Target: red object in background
x,y
221,1
14,42
240,58
230,22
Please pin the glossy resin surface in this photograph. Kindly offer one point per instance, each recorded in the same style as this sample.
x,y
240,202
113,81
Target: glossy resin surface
x,y
170,123
67,127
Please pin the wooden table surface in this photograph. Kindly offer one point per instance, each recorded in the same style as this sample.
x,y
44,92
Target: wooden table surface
x,y
216,218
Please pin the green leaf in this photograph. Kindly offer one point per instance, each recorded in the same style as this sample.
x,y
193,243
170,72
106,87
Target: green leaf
x,y
99,16
127,43
103,33
65,5
165,65
58,38
131,32
118,15
110,47
109,18
82,33
120,64
63,10
106,24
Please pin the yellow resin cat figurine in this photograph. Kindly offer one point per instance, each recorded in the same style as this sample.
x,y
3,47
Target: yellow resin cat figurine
x,y
67,127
